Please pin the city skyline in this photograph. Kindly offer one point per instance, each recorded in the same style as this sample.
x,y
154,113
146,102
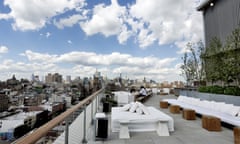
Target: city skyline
x,y
76,37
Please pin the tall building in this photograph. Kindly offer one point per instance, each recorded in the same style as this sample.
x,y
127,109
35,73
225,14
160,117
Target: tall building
x,y
68,79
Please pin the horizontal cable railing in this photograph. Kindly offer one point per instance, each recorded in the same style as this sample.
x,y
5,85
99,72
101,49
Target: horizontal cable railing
x,y
39,133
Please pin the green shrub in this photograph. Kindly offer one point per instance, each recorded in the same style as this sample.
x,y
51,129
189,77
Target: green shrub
x,y
217,89
232,90
204,89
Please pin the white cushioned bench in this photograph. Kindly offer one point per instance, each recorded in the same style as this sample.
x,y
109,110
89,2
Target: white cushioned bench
x,y
228,113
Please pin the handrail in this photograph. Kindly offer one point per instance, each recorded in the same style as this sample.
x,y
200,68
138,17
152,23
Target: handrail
x,y
42,131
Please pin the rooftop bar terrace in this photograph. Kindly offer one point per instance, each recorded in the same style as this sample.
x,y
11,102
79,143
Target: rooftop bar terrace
x,y
186,131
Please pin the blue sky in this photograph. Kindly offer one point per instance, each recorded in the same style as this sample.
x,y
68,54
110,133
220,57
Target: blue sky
x,y
137,38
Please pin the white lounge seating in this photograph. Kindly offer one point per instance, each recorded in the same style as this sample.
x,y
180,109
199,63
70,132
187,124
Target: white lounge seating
x,y
228,113
123,97
155,120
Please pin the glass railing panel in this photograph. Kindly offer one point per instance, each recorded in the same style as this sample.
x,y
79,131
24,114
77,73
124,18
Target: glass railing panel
x,y
76,118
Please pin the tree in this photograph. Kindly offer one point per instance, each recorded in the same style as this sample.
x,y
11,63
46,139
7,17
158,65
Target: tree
x,y
232,59
192,67
222,62
213,61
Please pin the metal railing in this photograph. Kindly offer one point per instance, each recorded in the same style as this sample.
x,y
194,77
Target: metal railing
x,y
87,107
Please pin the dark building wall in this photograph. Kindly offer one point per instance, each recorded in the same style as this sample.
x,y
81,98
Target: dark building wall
x,y
3,102
221,19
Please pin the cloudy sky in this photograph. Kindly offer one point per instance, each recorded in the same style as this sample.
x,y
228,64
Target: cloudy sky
x,y
137,38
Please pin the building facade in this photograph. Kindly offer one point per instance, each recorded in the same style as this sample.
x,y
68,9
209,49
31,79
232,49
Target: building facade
x,y
50,78
3,102
222,31
221,17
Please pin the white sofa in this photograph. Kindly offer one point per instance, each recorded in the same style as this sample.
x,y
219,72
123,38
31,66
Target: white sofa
x,y
228,113
123,97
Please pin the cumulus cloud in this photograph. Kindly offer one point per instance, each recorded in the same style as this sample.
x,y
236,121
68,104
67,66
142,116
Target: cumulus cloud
x,y
69,22
8,67
105,20
164,22
4,16
85,64
167,21
124,34
33,15
148,22
38,57
3,49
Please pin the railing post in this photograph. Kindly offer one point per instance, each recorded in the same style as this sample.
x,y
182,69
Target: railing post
x,y
96,104
92,112
66,130
84,141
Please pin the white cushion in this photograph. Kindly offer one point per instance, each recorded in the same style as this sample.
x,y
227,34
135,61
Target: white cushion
x,y
182,98
133,107
234,110
227,108
238,114
144,109
206,104
126,107
218,106
139,111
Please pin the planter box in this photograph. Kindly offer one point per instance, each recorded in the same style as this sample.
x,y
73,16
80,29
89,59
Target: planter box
x,y
208,96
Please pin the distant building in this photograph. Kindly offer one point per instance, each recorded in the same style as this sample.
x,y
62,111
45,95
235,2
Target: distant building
x,y
50,78
3,102
97,81
68,79
33,100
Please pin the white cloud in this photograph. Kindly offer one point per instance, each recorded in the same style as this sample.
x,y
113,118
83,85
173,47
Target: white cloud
x,y
3,49
160,21
124,35
69,22
166,21
24,69
148,21
69,42
4,16
105,20
33,15
85,63
48,34
38,57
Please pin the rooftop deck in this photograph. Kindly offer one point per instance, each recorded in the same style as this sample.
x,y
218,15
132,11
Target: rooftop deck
x,y
186,132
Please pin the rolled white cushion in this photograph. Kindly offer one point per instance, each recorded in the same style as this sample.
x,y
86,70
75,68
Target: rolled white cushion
x,y
238,114
133,107
234,110
126,107
144,109
139,111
